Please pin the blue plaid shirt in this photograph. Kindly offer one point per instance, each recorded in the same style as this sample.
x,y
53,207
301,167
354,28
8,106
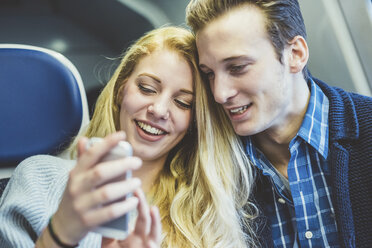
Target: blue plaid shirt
x,y
300,209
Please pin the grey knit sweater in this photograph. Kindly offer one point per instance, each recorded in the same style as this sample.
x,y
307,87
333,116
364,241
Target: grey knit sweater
x,y
31,197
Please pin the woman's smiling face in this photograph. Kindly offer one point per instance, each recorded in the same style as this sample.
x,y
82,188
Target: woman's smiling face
x,y
156,104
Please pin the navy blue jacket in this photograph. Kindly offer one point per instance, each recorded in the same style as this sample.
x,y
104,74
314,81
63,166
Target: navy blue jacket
x,y
350,151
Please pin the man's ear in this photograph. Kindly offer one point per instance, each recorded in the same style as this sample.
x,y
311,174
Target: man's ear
x,y
299,54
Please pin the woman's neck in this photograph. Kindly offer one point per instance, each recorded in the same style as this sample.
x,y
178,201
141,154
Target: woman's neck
x,y
148,173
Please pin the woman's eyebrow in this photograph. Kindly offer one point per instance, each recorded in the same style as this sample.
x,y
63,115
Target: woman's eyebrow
x,y
151,76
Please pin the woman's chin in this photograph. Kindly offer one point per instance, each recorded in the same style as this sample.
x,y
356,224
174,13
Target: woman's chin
x,y
149,155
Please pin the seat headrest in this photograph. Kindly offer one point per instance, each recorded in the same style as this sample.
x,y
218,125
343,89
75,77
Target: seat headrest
x,y
42,102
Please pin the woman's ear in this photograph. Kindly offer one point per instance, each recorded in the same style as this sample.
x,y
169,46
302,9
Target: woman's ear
x,y
299,54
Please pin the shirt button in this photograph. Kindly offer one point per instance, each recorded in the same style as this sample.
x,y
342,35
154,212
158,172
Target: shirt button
x,y
308,235
281,200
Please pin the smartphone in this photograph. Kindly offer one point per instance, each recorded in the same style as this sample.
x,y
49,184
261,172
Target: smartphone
x,y
118,228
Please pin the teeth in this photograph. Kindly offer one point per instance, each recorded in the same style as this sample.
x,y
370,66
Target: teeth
x,y
150,129
238,110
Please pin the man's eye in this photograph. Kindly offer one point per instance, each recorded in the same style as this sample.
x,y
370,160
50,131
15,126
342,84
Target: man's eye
x,y
183,104
209,75
145,89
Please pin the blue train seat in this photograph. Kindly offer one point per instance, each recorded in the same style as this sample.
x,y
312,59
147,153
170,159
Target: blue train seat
x,y
43,103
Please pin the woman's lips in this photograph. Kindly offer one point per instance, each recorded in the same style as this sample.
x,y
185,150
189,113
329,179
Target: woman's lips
x,y
149,132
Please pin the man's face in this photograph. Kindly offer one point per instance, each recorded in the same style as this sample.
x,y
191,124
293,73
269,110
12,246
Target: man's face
x,y
245,74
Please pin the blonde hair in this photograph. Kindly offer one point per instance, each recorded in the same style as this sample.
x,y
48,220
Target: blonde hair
x,y
204,186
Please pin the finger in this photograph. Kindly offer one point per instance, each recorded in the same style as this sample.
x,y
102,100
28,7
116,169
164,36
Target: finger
x,y
82,142
143,222
155,232
110,212
151,244
103,173
107,171
106,194
94,154
110,243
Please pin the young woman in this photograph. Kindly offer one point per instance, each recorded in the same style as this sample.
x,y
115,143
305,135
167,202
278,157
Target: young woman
x,y
197,176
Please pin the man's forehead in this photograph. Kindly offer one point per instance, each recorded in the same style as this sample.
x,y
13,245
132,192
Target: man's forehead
x,y
231,36
236,24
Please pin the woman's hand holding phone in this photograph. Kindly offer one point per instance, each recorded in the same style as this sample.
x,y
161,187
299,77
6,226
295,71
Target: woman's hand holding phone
x,y
92,195
147,232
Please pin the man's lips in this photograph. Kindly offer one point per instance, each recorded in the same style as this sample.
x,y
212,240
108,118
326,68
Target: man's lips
x,y
239,110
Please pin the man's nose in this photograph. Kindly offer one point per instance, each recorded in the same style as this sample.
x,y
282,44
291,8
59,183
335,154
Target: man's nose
x,y
223,89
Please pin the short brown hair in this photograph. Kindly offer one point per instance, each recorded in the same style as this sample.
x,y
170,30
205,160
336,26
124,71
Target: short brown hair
x,y
284,19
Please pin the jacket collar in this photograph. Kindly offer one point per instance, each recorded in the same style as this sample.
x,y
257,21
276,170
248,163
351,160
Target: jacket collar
x,y
343,122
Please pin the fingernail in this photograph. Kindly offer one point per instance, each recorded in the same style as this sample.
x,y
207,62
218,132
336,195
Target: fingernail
x,y
121,134
156,210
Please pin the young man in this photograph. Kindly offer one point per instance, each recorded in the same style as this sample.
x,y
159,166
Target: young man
x,y
311,143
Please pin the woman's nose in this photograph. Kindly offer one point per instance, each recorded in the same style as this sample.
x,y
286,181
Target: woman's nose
x,y
159,110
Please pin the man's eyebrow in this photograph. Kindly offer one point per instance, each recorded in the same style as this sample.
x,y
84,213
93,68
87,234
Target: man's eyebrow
x,y
232,58
151,76
244,57
201,66
187,91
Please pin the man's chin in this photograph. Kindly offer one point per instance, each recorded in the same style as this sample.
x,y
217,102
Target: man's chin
x,y
243,130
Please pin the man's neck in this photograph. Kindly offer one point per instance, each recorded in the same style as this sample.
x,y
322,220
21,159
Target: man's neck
x,y
277,153
274,142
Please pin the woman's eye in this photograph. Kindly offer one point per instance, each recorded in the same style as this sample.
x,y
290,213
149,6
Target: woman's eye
x,y
145,89
237,68
183,104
